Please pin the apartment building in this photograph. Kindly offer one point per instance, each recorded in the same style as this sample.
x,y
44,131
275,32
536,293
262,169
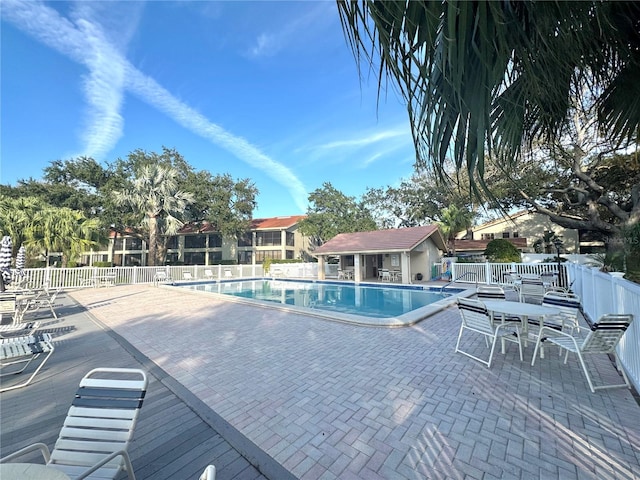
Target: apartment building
x,y
200,244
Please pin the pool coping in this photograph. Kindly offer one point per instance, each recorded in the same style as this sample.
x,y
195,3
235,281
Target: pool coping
x,y
406,320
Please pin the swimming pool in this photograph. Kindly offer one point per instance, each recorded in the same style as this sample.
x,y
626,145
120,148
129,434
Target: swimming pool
x,y
366,304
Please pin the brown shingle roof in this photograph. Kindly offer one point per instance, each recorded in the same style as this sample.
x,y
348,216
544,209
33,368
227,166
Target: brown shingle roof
x,y
481,245
256,224
392,240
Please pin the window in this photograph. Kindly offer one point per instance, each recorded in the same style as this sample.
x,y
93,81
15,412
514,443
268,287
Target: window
x,y
133,260
246,240
244,258
134,244
215,240
194,258
268,239
119,243
505,234
487,236
515,235
289,254
291,242
262,255
215,258
172,243
172,258
195,241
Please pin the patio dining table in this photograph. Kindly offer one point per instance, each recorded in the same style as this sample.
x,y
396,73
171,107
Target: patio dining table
x,y
521,310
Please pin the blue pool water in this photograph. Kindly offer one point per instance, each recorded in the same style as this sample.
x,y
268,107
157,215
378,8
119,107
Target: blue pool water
x,y
349,298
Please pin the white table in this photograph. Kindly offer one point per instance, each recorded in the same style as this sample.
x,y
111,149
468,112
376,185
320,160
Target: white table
x,y
522,310
30,471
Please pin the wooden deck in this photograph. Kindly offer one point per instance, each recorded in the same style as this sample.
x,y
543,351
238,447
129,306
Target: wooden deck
x,y
174,438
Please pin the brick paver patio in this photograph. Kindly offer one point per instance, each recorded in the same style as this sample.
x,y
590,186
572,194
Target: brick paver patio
x,y
329,400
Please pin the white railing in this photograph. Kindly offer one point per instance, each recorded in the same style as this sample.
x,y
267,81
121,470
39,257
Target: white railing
x,y
599,292
603,293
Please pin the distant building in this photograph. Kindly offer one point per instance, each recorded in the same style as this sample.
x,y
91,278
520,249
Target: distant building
x,y
200,244
522,229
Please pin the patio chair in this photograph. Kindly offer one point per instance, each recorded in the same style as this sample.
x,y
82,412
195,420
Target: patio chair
x,y
531,288
228,273
476,318
209,473
10,306
24,349
187,276
603,338
208,274
569,306
95,435
490,292
44,299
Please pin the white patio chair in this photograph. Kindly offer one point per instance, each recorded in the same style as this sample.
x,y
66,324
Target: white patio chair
x,y
569,306
208,274
603,338
209,473
9,306
45,298
187,276
490,292
531,288
228,273
95,435
386,275
476,318
24,349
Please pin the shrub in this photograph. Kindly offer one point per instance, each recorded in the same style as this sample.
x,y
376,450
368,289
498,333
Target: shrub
x,y
502,251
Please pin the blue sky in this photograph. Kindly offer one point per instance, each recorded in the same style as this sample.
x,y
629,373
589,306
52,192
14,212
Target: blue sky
x,y
263,90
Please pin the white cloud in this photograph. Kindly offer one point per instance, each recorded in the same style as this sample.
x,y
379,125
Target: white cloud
x,y
364,141
110,74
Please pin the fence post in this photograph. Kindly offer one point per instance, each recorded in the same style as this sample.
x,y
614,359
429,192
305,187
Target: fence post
x,y
487,273
134,276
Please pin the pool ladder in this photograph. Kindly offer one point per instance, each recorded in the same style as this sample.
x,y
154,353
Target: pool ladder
x,y
459,278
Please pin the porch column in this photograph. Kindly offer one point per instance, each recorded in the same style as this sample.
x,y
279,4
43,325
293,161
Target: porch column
x,y
357,274
321,275
405,267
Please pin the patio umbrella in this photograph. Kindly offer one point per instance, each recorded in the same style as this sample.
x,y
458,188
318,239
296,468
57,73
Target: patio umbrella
x,y
5,262
21,260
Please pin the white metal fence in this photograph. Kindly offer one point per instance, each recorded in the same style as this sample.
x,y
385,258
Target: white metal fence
x,y
600,292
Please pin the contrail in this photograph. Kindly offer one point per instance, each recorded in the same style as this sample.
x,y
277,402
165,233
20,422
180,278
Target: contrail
x,y
111,73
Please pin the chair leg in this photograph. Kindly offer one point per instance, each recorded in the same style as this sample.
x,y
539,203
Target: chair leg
x,y
586,373
27,382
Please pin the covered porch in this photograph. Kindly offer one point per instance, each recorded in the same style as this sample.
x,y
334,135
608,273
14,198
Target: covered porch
x,y
402,255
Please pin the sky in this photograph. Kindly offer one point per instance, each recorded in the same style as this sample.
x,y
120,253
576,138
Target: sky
x,y
264,90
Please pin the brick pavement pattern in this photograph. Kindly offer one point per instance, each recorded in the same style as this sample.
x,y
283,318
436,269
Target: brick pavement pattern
x,y
330,400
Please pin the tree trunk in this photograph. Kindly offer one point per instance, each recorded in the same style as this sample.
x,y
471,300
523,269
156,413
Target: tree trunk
x,y
153,240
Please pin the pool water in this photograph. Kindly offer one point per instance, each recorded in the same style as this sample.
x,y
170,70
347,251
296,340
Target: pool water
x,y
363,300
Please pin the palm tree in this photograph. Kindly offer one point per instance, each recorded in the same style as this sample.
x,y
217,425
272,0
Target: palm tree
x,y
480,75
453,220
155,196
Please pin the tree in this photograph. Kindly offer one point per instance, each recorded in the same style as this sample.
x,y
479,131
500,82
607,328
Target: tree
x,y
420,200
332,212
46,228
499,75
581,180
453,220
155,196
501,251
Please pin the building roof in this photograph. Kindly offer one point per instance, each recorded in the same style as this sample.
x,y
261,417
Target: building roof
x,y
480,245
277,223
391,240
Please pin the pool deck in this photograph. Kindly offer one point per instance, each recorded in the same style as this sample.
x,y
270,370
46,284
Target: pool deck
x,y
328,400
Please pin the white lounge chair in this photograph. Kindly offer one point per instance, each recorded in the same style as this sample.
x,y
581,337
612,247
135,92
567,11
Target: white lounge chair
x,y
476,318
24,349
45,298
208,274
228,273
187,276
95,436
603,338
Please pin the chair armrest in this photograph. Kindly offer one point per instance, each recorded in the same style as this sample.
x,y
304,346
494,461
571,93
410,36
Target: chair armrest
x,y
30,448
104,461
